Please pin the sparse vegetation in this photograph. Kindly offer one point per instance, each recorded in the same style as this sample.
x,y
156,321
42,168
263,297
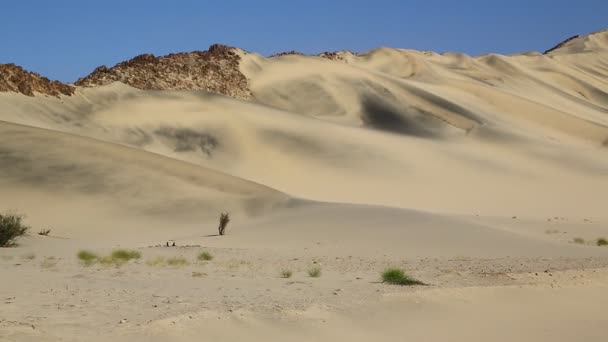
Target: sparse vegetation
x,y
224,219
11,228
117,258
205,256
88,258
164,261
314,272
602,242
125,254
397,276
44,232
157,261
177,261
286,274
198,274
579,240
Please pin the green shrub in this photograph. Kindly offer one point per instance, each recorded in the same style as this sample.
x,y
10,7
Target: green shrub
x,y
602,242
87,257
125,254
205,256
11,228
314,272
397,276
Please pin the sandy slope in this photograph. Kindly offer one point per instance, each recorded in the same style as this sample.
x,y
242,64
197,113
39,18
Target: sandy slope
x,y
475,174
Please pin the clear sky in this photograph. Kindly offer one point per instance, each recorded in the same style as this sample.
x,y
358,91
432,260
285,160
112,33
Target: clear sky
x,y
66,39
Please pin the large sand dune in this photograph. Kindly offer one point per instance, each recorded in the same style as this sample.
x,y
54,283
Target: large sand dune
x,y
475,173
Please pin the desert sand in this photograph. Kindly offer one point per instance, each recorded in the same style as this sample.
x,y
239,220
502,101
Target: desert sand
x,y
474,174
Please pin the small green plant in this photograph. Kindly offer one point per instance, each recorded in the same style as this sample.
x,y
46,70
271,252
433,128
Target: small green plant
x,y
397,276
579,240
88,258
44,232
125,255
177,261
11,228
205,256
224,219
602,242
286,274
314,272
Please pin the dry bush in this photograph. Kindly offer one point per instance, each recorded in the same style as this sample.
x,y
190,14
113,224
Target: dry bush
x,y
224,219
11,228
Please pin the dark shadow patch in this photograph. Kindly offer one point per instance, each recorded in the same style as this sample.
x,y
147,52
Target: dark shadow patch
x,y
443,103
189,140
385,116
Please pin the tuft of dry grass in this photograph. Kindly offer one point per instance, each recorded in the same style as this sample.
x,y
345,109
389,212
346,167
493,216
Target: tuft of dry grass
x,y
177,261
11,228
578,240
286,274
44,232
205,256
162,261
198,274
314,272
224,219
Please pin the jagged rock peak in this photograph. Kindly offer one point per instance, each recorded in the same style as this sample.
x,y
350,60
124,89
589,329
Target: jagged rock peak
x,y
14,78
215,70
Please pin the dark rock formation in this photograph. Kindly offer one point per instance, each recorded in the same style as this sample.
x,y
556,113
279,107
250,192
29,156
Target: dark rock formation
x,y
14,78
215,70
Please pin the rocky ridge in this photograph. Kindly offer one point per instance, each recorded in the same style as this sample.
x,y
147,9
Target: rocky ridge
x,y
215,70
14,78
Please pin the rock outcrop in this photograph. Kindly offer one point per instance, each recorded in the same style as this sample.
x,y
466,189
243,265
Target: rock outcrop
x,y
215,70
14,78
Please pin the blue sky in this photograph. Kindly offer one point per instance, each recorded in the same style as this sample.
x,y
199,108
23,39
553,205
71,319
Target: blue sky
x,y
65,39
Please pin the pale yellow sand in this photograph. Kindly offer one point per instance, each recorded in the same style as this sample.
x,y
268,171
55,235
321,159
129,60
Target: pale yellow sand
x,y
474,174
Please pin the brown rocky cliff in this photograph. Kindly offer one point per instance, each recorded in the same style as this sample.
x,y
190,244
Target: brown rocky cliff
x,y
14,78
215,70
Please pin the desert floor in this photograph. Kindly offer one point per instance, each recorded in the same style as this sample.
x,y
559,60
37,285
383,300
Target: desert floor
x,y
474,175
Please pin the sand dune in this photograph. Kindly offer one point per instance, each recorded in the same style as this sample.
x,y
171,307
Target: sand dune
x,y
473,173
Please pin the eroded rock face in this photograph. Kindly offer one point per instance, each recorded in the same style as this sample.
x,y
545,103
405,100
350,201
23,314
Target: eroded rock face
x,y
14,78
215,70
